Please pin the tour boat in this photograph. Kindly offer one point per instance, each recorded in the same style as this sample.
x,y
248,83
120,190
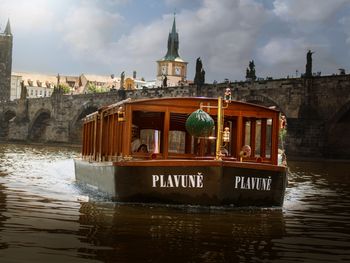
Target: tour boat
x,y
191,151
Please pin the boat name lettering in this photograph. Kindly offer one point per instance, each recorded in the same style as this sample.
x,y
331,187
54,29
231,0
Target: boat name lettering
x,y
253,183
178,180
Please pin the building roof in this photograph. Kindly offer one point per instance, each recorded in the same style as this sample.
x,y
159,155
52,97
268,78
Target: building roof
x,y
8,28
71,78
37,79
99,78
173,45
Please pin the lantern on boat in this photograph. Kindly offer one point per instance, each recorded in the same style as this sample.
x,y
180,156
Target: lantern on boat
x,y
199,124
226,135
121,114
228,96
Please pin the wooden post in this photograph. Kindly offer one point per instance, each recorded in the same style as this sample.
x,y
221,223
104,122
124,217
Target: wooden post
x,y
239,139
101,136
219,130
263,138
95,136
113,135
252,136
166,134
274,142
126,140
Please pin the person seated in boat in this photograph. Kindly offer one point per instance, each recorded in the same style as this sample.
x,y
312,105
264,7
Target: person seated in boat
x,y
135,138
223,151
142,148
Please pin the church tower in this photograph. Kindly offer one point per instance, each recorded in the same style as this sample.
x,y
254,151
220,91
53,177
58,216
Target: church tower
x,y
5,62
172,67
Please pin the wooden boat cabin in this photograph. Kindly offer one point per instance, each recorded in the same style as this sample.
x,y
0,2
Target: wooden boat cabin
x,y
159,124
142,151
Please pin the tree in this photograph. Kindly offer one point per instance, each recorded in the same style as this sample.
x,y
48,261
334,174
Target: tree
x,y
92,88
65,88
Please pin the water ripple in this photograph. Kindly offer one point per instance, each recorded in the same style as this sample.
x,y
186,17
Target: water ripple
x,y
45,217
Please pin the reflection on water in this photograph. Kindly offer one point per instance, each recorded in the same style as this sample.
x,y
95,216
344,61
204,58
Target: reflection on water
x,y
181,234
45,217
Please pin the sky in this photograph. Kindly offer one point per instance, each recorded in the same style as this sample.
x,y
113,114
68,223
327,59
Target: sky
x,y
107,37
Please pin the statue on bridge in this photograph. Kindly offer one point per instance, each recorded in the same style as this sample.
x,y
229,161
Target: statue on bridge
x,y
199,78
165,82
122,78
308,67
250,72
24,92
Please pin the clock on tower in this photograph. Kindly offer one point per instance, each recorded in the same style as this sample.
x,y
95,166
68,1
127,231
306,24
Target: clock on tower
x,y
164,70
178,71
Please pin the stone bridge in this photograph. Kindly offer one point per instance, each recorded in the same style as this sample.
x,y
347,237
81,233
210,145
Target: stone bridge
x,y
317,111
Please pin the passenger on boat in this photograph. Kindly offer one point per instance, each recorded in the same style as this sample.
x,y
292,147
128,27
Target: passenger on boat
x,y
135,138
142,148
223,151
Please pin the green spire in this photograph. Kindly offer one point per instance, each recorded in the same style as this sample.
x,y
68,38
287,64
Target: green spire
x,y
173,43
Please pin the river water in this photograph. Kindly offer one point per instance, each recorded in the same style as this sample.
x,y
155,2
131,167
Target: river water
x,y
46,217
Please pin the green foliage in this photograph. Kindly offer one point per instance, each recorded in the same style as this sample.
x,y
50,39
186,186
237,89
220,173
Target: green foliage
x,y
65,88
92,88
282,137
283,134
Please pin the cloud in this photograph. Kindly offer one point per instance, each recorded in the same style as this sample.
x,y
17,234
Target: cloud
x,y
222,33
28,16
307,11
282,51
87,29
345,23
96,36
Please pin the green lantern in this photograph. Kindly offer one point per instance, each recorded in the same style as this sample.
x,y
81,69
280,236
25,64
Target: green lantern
x,y
199,124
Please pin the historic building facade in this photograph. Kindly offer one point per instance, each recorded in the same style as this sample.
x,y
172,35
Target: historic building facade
x,y
6,40
171,69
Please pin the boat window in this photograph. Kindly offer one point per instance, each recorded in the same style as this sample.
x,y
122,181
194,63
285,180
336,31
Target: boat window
x,y
151,138
268,137
177,141
247,133
258,138
150,125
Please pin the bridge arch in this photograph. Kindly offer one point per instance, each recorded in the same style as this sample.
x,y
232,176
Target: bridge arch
x,y
264,101
337,141
7,117
75,126
38,126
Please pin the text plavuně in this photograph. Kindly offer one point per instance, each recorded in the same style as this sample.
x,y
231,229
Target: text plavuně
x,y
178,181
253,183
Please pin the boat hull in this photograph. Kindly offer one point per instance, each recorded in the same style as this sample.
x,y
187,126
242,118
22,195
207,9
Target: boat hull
x,y
212,183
